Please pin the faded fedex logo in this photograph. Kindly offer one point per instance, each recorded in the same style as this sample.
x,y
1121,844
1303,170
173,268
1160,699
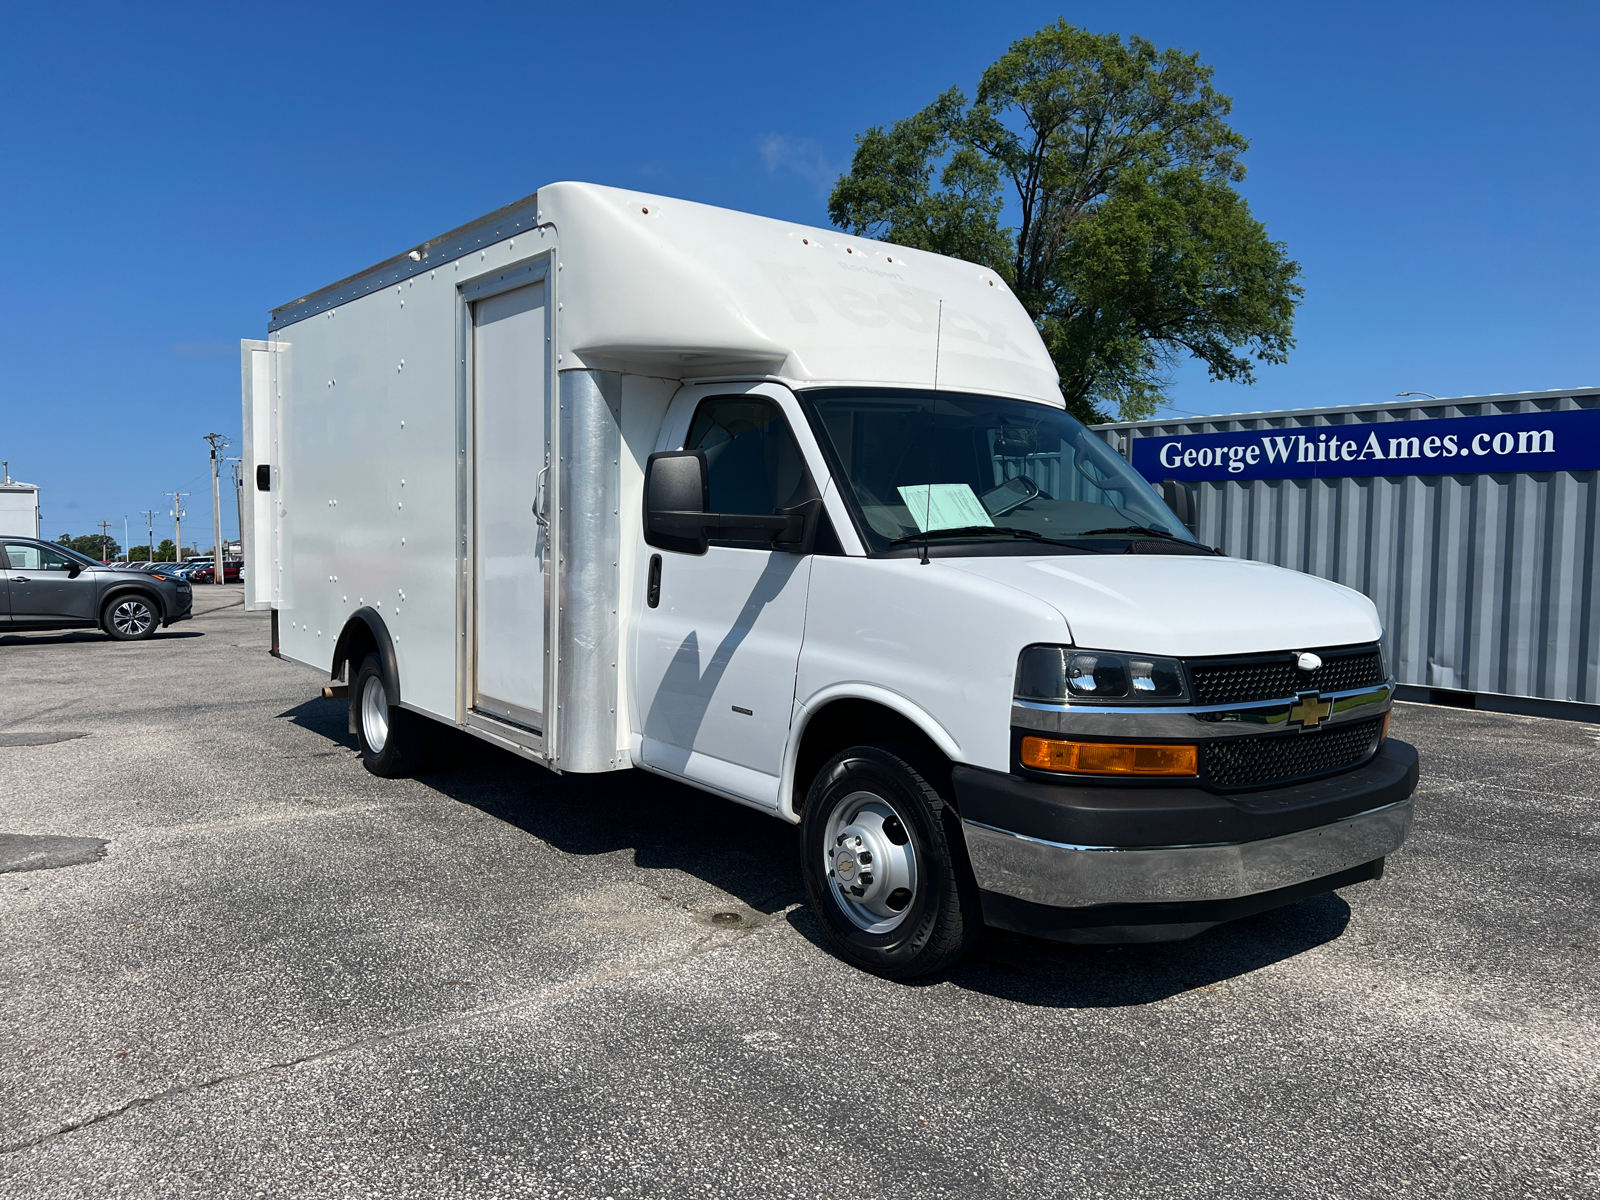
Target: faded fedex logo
x,y
1519,442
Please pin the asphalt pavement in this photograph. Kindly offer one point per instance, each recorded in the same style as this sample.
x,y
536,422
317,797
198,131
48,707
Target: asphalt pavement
x,y
235,964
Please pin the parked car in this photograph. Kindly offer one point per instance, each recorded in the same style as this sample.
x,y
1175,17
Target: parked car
x,y
47,586
205,574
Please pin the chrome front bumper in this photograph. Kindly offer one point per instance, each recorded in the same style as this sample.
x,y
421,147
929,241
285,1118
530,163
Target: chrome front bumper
x,y
1067,876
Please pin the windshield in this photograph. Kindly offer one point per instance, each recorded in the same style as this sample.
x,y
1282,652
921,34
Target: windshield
x,y
981,468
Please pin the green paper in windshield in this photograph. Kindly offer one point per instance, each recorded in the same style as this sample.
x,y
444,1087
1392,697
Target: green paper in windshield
x,y
944,506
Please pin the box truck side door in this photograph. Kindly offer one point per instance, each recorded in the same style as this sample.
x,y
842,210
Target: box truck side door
x,y
717,655
510,423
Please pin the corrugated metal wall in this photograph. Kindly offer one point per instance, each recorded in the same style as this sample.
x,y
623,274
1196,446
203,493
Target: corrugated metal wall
x,y
1486,583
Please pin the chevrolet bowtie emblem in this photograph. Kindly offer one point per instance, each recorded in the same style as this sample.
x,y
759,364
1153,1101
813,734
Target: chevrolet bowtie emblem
x,y
1310,710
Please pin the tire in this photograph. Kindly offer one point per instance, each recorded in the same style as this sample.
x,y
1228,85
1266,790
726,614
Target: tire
x,y
394,742
130,617
915,908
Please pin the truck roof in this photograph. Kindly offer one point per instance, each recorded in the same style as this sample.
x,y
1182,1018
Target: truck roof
x,y
683,290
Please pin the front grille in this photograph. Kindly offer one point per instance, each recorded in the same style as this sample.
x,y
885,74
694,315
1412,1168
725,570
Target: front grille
x,y
1275,677
1273,758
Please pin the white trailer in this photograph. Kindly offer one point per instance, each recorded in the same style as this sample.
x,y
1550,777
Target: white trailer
x,y
616,481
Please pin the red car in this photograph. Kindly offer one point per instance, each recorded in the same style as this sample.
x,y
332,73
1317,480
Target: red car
x,y
230,572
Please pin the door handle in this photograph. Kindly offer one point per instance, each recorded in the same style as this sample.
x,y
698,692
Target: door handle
x,y
19,579
538,498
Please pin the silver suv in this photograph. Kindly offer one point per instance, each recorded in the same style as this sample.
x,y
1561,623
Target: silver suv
x,y
47,586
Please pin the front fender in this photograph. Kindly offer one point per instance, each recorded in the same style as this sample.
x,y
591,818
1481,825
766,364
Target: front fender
x,y
853,690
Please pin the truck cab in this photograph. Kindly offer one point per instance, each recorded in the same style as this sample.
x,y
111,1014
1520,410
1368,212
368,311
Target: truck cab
x,y
801,520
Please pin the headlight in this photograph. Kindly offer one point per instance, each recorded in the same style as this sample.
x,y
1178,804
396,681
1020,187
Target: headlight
x,y
1061,674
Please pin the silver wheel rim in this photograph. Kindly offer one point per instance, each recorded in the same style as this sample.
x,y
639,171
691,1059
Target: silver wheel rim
x,y
870,862
132,618
374,715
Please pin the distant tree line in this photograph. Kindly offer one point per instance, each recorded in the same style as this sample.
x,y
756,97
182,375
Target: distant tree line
x,y
106,549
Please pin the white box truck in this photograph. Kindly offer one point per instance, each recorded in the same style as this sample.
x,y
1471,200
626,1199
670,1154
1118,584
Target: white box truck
x,y
616,481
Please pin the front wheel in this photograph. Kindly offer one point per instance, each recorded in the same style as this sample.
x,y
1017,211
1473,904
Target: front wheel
x,y
885,866
130,618
394,742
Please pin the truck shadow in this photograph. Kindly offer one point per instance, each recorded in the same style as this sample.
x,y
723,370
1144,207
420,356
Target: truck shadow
x,y
748,855
1031,971
667,825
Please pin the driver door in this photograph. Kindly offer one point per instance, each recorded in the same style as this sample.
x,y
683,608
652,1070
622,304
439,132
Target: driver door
x,y
43,586
716,653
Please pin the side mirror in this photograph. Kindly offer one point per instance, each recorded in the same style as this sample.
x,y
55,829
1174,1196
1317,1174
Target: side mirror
x,y
677,493
73,570
677,500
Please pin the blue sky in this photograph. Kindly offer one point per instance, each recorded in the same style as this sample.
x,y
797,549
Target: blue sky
x,y
168,174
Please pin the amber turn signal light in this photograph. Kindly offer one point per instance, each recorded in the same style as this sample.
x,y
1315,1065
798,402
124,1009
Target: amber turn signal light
x,y
1108,758
1383,734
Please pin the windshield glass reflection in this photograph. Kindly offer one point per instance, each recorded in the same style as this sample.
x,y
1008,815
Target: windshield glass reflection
x,y
957,466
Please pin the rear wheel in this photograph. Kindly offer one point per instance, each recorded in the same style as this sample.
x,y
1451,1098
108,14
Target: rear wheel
x,y
885,867
130,618
394,742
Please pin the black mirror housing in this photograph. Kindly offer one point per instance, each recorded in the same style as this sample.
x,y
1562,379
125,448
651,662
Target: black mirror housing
x,y
677,516
677,493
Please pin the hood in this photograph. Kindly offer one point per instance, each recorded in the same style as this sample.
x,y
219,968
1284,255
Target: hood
x,y
1178,605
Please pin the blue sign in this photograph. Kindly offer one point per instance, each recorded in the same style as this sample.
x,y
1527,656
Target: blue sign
x,y
1547,441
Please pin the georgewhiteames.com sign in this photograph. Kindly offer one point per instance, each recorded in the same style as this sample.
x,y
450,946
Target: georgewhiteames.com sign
x,y
1548,441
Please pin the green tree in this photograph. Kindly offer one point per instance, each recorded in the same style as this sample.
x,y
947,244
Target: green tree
x,y
1131,247
92,544
165,552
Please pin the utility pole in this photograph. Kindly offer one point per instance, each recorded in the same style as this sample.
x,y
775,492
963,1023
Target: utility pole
x,y
218,574
105,541
238,504
177,514
124,537
149,516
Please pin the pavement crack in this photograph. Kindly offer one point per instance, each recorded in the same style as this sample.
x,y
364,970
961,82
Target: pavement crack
x,y
703,945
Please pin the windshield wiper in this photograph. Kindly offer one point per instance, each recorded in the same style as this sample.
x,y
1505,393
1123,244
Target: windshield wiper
x,y
1140,529
979,531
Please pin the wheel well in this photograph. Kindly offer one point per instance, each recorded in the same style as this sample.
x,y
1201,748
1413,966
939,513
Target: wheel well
x,y
363,634
150,594
843,723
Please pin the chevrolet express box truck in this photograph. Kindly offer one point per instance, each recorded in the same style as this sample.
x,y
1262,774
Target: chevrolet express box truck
x,y
621,482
